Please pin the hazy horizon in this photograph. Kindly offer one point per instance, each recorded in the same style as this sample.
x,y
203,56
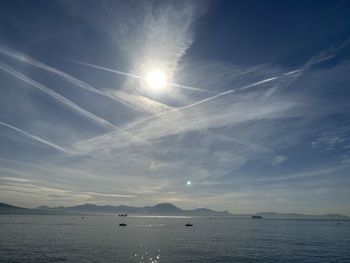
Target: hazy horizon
x,y
229,105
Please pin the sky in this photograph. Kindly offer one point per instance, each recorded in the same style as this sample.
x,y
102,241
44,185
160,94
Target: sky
x,y
253,108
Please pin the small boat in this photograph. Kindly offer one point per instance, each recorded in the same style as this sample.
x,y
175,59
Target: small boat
x,y
123,215
257,217
123,224
188,224
82,217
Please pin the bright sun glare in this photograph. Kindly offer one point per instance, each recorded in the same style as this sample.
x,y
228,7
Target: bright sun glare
x,y
156,79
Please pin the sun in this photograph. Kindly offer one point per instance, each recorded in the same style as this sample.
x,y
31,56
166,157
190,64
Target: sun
x,y
156,79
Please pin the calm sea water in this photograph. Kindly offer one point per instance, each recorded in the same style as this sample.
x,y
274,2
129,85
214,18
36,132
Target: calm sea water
x,y
101,239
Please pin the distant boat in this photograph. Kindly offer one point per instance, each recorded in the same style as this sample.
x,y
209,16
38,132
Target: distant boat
x,y
123,215
188,224
257,217
82,217
123,224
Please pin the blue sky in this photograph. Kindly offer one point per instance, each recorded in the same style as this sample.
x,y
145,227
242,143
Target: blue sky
x,y
255,111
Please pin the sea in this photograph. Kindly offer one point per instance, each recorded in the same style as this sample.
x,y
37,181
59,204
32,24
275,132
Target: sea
x,y
53,238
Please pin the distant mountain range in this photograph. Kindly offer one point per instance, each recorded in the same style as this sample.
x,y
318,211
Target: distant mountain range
x,y
159,209
6,209
166,209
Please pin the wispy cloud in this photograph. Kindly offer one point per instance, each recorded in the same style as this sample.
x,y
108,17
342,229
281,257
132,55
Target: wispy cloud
x,y
278,159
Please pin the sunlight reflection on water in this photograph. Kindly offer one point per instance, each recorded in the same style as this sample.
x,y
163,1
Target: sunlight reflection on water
x,y
143,255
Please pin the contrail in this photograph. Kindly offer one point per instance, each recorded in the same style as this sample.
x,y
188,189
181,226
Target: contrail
x,y
55,95
104,69
52,145
62,99
130,75
245,87
67,77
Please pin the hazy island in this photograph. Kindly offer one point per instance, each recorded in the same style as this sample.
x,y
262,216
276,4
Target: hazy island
x,y
162,209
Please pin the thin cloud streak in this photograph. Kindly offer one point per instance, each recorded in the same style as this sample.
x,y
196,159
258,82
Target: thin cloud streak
x,y
143,102
15,179
38,190
36,138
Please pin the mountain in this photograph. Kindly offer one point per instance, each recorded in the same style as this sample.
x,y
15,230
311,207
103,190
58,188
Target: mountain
x,y
6,209
159,209
166,208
